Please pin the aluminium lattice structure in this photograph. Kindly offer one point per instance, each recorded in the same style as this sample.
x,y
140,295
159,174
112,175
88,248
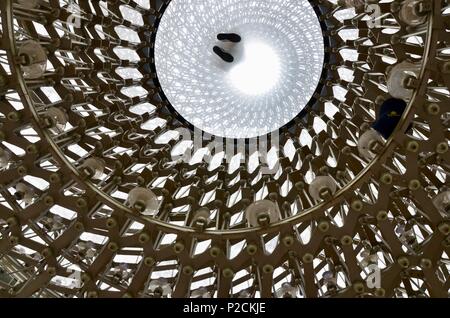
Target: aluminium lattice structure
x,y
79,145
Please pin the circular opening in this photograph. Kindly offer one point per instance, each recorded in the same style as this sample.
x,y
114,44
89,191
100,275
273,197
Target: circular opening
x,y
246,88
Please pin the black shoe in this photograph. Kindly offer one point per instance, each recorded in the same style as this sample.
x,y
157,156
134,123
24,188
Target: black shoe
x,y
227,57
230,37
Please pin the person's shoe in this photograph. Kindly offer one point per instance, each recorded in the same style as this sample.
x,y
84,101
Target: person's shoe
x,y
230,37
227,57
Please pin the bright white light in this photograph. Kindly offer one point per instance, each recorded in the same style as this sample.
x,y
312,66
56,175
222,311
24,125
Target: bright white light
x,y
276,70
258,72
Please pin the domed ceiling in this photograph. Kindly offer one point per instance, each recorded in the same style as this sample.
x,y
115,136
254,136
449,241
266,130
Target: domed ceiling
x,y
212,148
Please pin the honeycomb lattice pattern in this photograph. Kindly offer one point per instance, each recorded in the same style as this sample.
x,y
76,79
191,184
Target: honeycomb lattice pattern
x,y
206,95
92,99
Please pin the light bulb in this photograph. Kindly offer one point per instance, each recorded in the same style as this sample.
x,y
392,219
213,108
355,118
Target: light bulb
x,y
161,287
398,77
201,293
262,213
5,157
410,13
144,200
24,192
56,119
201,218
322,188
34,63
286,291
369,143
442,202
93,167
